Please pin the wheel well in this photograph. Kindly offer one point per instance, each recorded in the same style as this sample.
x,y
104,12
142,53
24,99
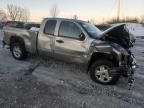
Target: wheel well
x,y
15,39
98,56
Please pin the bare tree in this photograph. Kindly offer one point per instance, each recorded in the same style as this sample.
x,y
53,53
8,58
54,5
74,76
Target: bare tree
x,y
13,11
54,12
17,13
26,15
75,17
3,15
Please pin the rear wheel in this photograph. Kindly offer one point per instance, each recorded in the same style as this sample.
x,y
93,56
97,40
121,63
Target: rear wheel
x,y
102,72
18,51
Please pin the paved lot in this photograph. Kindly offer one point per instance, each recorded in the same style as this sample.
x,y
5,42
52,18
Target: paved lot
x,y
54,84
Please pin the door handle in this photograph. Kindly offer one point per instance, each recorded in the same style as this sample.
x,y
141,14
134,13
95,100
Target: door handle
x,y
60,41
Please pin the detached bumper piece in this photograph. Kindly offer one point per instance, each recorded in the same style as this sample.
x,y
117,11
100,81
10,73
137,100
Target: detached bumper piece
x,y
131,71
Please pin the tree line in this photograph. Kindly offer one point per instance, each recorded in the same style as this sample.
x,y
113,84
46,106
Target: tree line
x,y
15,13
126,20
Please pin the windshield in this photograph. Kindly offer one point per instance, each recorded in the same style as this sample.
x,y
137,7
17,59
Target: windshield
x,y
92,31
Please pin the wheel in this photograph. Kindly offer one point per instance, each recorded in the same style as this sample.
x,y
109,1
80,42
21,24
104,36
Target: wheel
x,y
100,72
18,51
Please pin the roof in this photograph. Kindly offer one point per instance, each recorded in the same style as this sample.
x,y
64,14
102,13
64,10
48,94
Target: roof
x,y
64,19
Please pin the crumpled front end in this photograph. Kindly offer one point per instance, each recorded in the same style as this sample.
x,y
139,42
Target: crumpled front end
x,y
127,62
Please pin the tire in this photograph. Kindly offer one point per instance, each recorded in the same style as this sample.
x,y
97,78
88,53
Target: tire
x,y
18,51
100,72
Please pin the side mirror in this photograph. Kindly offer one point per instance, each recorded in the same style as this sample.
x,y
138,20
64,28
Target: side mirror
x,y
81,36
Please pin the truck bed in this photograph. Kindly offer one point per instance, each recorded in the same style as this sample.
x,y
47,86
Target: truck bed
x,y
28,36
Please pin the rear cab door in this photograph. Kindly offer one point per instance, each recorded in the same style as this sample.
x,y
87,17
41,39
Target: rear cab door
x,y
46,37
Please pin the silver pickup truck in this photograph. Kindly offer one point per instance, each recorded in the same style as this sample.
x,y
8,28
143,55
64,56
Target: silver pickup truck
x,y
106,55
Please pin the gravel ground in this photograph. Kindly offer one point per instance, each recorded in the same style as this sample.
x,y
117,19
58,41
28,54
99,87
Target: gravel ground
x,y
54,84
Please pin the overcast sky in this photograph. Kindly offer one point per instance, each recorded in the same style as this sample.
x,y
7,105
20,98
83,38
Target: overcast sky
x,y
85,9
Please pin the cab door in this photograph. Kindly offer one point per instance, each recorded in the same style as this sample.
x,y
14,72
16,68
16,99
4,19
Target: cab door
x,y
46,38
70,43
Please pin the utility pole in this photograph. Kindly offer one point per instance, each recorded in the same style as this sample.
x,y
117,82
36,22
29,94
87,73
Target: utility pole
x,y
118,9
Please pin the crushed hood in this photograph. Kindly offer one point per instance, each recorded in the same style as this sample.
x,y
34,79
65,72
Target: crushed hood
x,y
118,34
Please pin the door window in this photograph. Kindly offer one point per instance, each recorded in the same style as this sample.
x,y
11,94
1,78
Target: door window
x,y
50,27
69,29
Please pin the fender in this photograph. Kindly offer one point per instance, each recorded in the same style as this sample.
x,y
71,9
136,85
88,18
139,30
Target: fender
x,y
103,50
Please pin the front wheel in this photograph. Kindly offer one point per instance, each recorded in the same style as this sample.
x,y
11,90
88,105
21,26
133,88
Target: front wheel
x,y
101,72
18,51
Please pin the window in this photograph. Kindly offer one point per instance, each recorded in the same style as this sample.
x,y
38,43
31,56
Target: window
x,y
92,31
50,27
69,29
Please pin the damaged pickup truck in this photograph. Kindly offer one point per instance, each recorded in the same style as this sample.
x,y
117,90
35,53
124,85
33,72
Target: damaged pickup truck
x,y
107,55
